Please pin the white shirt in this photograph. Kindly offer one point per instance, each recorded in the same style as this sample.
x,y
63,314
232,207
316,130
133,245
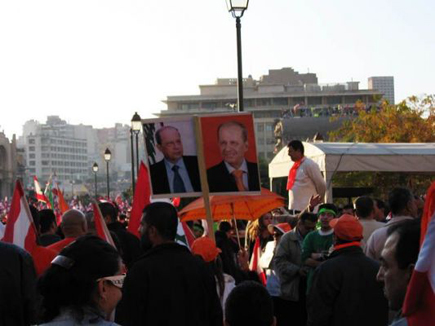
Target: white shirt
x,y
244,168
309,181
369,226
183,174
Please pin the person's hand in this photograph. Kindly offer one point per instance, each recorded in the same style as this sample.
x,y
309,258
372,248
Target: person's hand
x,y
303,272
242,258
314,201
317,256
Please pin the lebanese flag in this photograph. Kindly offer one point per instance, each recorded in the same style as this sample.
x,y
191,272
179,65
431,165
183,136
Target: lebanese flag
x,y
100,225
39,194
184,235
254,264
419,304
141,199
20,229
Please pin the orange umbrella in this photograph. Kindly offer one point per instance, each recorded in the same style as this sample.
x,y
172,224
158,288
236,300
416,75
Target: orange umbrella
x,y
239,207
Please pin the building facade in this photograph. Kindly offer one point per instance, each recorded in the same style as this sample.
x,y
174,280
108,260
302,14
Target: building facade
x,y
385,85
281,95
8,165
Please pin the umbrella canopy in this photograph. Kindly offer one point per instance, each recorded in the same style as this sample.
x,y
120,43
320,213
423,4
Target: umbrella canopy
x,y
242,207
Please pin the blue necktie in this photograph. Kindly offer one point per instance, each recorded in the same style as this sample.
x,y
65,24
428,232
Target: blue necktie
x,y
178,182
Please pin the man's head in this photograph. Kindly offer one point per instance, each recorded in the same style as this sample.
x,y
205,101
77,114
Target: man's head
x,y
402,202
365,208
326,213
109,212
74,223
295,150
398,259
47,221
307,223
348,209
159,223
379,209
249,303
169,143
347,228
233,142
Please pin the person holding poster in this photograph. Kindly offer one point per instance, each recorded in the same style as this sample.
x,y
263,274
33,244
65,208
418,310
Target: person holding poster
x,y
175,173
234,173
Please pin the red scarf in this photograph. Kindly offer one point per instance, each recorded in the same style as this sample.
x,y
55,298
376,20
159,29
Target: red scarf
x,y
292,173
346,245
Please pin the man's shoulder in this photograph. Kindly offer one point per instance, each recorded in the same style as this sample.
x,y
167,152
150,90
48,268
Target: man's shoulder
x,y
158,166
217,168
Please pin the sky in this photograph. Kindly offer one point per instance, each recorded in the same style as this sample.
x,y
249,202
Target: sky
x,y
96,62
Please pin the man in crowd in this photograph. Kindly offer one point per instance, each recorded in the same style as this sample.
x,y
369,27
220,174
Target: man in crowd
x,y
175,173
403,207
48,227
365,211
316,245
345,290
287,262
167,285
17,287
234,173
398,259
348,209
304,180
249,304
379,210
130,244
73,225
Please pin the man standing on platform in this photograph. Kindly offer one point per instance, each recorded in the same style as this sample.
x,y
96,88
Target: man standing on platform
x,y
304,180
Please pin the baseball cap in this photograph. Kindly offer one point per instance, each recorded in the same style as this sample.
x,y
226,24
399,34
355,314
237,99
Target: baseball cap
x,y
206,248
347,227
281,227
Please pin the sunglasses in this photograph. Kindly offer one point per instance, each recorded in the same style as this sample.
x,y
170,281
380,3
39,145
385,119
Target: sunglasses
x,y
116,280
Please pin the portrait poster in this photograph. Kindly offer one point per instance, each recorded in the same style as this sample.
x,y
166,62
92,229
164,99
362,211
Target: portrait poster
x,y
230,154
172,159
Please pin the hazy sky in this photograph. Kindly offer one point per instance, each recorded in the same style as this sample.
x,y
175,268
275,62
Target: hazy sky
x,y
98,61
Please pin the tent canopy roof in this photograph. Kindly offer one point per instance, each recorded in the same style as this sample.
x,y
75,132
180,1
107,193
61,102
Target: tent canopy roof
x,y
348,157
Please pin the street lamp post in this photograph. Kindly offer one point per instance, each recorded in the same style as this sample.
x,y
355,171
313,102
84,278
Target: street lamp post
x,y
95,170
107,157
136,126
237,8
133,185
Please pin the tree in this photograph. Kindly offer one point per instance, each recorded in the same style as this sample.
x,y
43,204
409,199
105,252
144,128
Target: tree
x,y
411,121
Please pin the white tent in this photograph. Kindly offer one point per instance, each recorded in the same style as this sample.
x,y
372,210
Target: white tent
x,y
348,157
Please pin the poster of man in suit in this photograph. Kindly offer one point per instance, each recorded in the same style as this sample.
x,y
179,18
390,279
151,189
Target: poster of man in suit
x,y
172,157
230,153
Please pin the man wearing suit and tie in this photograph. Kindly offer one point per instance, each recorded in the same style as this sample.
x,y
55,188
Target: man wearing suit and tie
x,y
175,173
234,173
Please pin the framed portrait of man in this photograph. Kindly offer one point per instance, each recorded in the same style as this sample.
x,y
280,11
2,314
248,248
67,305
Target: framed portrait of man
x,y
172,159
230,154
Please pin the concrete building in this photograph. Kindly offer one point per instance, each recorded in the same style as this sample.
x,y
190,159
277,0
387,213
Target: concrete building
x,y
385,85
283,94
8,165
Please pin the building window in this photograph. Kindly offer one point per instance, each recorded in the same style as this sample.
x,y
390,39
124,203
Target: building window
x,y
32,141
32,163
264,102
260,127
280,101
314,100
31,148
31,155
209,105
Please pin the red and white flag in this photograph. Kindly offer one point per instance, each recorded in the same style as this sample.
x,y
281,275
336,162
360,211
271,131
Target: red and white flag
x,y
39,194
419,305
100,225
20,229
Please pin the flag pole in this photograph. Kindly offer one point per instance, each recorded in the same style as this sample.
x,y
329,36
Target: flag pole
x,y
203,177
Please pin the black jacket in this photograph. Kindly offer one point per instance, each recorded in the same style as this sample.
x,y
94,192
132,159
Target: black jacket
x,y
169,286
130,244
159,177
345,291
17,286
220,180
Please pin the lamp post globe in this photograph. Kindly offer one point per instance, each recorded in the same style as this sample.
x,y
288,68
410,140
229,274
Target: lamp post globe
x,y
95,170
136,127
107,158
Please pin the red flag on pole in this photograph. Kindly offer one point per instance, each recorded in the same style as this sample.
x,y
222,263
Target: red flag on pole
x,y
39,194
100,225
141,199
419,305
20,229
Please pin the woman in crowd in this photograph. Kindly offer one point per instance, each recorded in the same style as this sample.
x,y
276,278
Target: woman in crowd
x,y
256,231
83,284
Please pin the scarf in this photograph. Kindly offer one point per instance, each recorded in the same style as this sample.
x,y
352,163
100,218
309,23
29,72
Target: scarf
x,y
292,173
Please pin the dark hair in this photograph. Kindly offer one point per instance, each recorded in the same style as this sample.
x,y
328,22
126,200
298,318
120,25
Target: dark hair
x,y
74,286
159,138
35,215
379,203
398,199
224,226
348,206
364,206
109,209
296,145
163,217
46,219
237,124
308,217
329,206
408,244
249,303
